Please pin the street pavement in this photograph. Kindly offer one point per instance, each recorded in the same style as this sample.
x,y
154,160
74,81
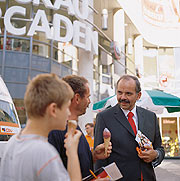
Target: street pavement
x,y
169,170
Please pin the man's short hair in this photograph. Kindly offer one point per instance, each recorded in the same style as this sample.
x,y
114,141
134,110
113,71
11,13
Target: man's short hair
x,y
77,83
128,77
43,90
90,124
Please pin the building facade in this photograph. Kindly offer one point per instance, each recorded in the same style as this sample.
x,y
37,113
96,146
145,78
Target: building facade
x,y
45,38
95,39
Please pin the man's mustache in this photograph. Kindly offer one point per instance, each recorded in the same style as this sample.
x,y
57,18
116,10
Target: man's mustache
x,y
124,100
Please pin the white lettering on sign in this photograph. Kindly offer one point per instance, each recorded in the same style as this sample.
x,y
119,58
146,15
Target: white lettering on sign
x,y
92,40
88,39
7,20
84,9
65,4
57,30
23,1
47,3
85,38
167,121
40,17
79,35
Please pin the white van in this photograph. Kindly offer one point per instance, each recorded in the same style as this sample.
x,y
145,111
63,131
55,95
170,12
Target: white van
x,y
9,122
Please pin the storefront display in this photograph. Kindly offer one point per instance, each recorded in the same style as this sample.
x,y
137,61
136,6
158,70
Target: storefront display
x,y
170,137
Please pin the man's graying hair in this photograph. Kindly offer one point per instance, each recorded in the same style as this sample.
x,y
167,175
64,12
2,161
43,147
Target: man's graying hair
x,y
128,77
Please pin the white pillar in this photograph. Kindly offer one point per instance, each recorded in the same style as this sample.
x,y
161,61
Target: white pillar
x,y
119,36
138,55
119,28
86,70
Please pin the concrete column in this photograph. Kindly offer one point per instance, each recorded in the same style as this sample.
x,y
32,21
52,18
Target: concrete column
x,y
119,28
86,70
138,54
119,36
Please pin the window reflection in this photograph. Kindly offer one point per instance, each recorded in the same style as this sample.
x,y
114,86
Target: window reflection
x,y
42,49
5,117
1,42
66,53
7,112
17,44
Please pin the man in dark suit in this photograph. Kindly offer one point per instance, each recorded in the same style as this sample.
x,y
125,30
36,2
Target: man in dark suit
x,y
132,165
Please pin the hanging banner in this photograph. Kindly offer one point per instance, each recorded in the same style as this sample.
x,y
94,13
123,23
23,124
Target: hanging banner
x,y
158,21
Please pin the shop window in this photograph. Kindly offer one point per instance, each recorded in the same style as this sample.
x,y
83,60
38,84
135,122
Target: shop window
x,y
1,43
95,72
95,75
106,80
106,69
17,44
58,53
68,63
2,31
170,137
40,48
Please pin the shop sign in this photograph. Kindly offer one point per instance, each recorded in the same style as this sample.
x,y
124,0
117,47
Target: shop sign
x,y
167,121
163,80
81,35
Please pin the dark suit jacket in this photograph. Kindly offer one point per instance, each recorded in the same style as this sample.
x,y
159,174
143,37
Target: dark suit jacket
x,y
124,152
56,138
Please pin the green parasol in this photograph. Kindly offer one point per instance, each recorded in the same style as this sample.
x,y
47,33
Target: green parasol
x,y
154,100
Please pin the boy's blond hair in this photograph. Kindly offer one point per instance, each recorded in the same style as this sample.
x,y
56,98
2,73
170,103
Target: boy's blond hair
x,y
43,90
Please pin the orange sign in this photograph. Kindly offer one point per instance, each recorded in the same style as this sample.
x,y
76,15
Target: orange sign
x,y
7,128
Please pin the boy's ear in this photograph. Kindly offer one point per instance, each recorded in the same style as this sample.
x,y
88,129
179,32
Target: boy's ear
x,y
51,109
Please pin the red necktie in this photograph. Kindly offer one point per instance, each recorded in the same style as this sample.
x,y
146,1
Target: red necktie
x,y
131,121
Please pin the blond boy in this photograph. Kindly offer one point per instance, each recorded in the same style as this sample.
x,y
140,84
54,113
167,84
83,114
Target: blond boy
x,y
28,155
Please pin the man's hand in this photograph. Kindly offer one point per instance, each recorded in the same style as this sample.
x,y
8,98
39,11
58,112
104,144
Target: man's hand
x,y
99,152
148,155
